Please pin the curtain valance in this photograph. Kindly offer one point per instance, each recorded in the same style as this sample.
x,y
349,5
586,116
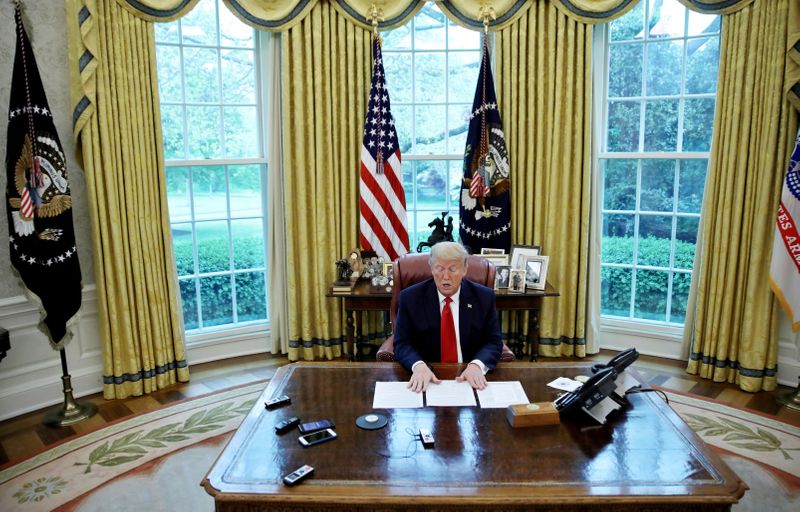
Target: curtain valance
x,y
602,11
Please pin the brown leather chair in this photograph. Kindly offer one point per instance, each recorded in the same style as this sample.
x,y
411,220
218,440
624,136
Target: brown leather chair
x,y
414,268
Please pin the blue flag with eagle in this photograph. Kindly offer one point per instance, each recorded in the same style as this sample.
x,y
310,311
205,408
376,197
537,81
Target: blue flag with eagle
x,y
38,202
486,187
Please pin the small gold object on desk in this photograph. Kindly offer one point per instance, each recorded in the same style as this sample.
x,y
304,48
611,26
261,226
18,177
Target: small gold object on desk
x,y
531,415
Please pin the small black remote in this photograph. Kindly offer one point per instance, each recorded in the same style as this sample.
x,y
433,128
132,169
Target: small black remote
x,y
287,425
297,475
276,402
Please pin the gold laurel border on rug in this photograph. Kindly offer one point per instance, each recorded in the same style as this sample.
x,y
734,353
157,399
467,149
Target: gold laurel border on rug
x,y
69,470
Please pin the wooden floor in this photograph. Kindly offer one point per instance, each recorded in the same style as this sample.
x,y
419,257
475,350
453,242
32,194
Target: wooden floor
x,y
25,435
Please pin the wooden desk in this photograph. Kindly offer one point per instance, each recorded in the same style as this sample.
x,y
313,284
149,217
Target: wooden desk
x,y
362,298
644,458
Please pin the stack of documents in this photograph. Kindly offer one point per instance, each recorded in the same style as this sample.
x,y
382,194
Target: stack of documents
x,y
448,393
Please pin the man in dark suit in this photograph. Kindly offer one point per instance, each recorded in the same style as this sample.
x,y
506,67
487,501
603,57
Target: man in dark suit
x,y
428,313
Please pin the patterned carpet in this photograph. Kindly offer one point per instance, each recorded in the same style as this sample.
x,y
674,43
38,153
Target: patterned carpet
x,y
108,468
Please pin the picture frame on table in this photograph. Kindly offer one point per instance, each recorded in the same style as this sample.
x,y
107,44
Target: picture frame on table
x,y
535,271
387,269
489,250
518,251
502,277
516,281
498,260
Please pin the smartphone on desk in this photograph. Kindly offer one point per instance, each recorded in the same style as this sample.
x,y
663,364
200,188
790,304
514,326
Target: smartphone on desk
x,y
314,426
317,437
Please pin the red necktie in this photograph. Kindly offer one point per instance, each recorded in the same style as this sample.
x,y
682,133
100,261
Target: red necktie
x,y
448,334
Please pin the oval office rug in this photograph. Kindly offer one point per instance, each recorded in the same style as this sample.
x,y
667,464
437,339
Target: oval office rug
x,y
167,452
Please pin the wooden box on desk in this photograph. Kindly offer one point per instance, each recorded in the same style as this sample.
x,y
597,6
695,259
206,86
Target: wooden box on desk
x,y
531,415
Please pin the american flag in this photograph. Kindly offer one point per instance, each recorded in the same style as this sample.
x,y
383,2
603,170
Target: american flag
x,y
383,202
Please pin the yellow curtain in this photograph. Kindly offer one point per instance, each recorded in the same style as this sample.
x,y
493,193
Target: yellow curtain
x,y
325,80
544,77
603,11
734,335
118,130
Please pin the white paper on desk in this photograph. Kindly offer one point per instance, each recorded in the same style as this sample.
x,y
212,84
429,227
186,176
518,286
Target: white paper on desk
x,y
395,395
565,384
450,393
499,395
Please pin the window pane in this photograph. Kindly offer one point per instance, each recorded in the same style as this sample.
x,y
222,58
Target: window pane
x,y
625,70
167,32
203,138
658,185
240,125
248,243
184,248
430,129
179,199
210,192
617,242
432,179
630,26
212,246
456,177
623,125
397,39
692,181
664,68
615,293
464,68
655,240
172,131
698,123
168,59
661,125
619,184
397,67
199,26
458,127
459,37
686,241
680,296
403,122
651,295
201,73
408,185
429,70
245,190
702,59
188,289
232,32
429,31
238,76
215,296
667,19
703,23
251,296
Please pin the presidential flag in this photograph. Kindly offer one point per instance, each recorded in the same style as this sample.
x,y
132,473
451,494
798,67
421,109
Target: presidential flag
x,y
485,190
383,226
38,202
784,270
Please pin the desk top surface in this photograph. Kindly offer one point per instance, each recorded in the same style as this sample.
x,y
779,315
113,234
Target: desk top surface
x,y
645,454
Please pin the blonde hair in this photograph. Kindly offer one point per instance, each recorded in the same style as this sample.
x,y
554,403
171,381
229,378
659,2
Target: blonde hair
x,y
448,251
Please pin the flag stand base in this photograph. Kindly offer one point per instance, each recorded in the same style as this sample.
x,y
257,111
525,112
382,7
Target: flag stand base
x,y
71,411
791,400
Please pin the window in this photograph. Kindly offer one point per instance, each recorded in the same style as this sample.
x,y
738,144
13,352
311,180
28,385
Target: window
x,y
659,83
432,68
208,65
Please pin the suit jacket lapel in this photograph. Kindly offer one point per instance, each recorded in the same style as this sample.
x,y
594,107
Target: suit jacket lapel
x,y
464,303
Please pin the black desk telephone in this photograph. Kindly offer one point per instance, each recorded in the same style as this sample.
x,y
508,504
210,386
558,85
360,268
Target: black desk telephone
x,y
601,385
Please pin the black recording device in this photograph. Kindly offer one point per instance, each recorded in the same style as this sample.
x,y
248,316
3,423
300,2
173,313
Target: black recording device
x,y
317,437
619,362
287,425
278,401
314,426
601,385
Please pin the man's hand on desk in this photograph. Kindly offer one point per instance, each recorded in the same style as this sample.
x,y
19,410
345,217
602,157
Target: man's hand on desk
x,y
474,375
421,377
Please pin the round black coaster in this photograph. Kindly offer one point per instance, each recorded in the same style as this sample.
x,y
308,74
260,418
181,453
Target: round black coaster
x,y
372,421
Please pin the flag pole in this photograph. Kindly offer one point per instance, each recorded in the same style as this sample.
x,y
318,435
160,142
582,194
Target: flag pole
x,y
791,400
70,412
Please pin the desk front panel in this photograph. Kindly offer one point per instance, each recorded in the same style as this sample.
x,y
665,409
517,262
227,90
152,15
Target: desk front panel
x,y
646,454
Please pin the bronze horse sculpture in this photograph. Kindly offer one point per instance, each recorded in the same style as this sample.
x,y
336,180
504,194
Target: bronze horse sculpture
x,y
441,233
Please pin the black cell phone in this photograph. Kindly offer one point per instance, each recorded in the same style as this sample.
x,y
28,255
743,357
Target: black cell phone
x,y
317,437
314,426
278,401
287,425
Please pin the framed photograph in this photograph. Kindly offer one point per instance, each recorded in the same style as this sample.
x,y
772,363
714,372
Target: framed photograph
x,y
518,251
488,250
498,260
501,277
535,271
387,269
516,281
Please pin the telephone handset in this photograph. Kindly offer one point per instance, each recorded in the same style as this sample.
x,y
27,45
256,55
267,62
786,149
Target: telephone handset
x,y
599,386
619,362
